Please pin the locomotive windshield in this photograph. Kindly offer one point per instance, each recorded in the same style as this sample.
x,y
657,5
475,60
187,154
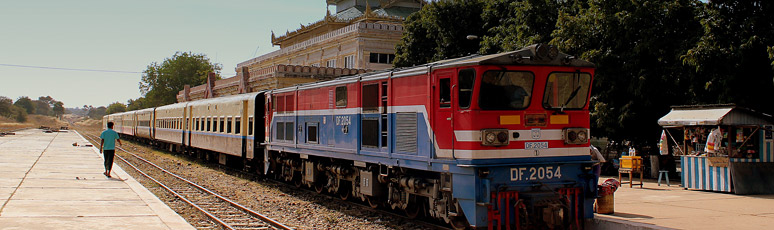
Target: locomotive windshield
x,y
567,90
505,90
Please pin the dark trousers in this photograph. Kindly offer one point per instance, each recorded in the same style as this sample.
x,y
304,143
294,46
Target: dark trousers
x,y
109,158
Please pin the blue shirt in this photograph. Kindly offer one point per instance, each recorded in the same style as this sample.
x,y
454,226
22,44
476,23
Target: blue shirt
x,y
110,137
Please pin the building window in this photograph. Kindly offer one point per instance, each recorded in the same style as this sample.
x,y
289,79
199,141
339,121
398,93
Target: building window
x,y
331,63
341,96
349,62
381,58
316,64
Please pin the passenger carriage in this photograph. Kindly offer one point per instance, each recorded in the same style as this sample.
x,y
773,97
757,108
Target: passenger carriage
x,y
226,125
170,125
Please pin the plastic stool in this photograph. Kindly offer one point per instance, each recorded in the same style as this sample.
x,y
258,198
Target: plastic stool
x,y
663,172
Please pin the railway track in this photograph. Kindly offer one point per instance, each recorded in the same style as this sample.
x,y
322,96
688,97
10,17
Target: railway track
x,y
221,210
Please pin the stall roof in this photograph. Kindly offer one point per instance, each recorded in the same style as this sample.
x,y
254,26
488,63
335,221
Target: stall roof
x,y
713,115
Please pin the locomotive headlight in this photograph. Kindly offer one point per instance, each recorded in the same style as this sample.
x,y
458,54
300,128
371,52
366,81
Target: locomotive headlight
x,y
490,138
494,137
582,136
576,135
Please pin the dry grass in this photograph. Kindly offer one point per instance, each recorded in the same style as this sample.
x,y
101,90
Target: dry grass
x,y
33,121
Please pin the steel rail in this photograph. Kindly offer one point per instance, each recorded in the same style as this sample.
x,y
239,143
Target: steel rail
x,y
266,219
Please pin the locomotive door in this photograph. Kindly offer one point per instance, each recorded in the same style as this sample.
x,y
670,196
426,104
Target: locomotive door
x,y
443,119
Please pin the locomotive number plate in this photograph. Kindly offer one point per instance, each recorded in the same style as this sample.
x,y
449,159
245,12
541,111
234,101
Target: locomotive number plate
x,y
536,145
536,173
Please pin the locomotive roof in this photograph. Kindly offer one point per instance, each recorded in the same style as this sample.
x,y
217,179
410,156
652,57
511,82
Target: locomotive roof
x,y
536,54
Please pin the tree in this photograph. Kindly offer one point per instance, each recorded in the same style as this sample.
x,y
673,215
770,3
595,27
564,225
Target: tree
x,y
438,31
115,107
161,82
733,58
636,46
6,105
25,103
136,104
96,113
42,107
512,25
59,109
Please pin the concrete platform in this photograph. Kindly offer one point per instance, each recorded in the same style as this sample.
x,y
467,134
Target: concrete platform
x,y
672,207
47,183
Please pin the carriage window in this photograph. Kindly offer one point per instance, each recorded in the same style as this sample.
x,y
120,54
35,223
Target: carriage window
x,y
567,90
466,79
228,125
341,96
237,125
370,97
222,123
505,90
311,133
209,124
444,92
250,127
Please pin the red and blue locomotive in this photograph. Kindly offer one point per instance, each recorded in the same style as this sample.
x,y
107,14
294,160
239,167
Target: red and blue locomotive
x,y
482,141
476,141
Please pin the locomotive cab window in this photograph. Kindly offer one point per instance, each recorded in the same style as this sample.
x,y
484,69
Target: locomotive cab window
x,y
567,90
341,96
444,92
466,79
505,90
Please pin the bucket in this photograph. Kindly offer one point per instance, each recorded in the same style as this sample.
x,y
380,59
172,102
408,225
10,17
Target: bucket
x,y
606,204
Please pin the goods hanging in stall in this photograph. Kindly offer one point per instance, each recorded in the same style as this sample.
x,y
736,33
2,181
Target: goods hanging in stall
x,y
721,147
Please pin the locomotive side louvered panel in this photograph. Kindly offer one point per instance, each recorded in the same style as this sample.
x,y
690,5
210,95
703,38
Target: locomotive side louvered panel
x,y
406,132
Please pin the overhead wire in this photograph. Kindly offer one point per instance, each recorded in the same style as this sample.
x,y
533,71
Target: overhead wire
x,y
68,69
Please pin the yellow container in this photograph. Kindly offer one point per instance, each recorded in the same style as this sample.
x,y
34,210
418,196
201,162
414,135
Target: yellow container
x,y
631,162
606,204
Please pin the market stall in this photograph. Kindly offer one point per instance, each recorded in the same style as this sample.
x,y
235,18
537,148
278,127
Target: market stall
x,y
721,147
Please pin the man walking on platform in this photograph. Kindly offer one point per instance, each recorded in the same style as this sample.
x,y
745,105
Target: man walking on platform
x,y
107,145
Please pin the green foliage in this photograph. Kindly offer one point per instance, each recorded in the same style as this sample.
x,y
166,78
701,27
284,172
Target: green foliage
x,y
5,106
42,108
25,103
636,46
115,107
438,31
161,82
18,114
136,104
512,25
95,113
58,109
734,56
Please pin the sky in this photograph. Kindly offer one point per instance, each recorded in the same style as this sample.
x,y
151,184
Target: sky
x,y
124,37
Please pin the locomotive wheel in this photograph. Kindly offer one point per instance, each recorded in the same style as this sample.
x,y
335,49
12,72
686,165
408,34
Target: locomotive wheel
x,y
372,201
344,189
412,211
319,188
459,223
298,183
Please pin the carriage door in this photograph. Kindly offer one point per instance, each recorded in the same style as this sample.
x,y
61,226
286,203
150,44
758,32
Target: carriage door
x,y
442,122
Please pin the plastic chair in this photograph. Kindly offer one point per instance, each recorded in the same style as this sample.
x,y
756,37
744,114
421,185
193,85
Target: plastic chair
x,y
661,173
